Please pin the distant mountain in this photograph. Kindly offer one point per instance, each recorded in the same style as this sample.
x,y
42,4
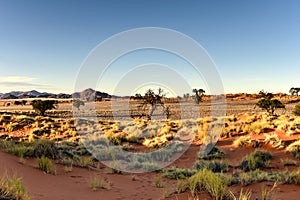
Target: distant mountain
x,y
88,94
8,96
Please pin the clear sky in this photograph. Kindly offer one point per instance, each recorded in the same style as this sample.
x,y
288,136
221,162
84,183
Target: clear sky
x,y
254,44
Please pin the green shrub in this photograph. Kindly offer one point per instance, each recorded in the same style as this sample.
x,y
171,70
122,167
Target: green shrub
x,y
21,150
215,153
178,173
257,159
215,166
45,148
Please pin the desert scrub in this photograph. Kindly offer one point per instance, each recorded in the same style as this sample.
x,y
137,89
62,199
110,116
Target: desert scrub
x,y
45,165
215,165
242,141
257,159
215,153
45,148
214,184
178,173
99,183
12,188
294,149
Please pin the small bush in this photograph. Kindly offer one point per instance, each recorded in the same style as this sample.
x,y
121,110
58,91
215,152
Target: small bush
x,y
45,165
215,153
215,166
257,159
178,173
45,148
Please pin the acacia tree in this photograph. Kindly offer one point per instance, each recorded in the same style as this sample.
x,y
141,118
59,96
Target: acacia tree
x,y
41,107
268,103
153,100
294,91
198,95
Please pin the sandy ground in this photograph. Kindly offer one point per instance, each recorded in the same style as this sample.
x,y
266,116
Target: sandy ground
x,y
76,184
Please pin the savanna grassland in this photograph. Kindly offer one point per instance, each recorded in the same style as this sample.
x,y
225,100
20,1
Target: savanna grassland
x,y
256,155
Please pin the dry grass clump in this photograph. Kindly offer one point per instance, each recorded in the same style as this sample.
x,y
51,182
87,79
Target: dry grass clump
x,y
99,183
45,165
242,196
12,188
214,184
274,141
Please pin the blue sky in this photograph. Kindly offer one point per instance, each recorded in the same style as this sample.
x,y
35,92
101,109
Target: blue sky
x,y
254,44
